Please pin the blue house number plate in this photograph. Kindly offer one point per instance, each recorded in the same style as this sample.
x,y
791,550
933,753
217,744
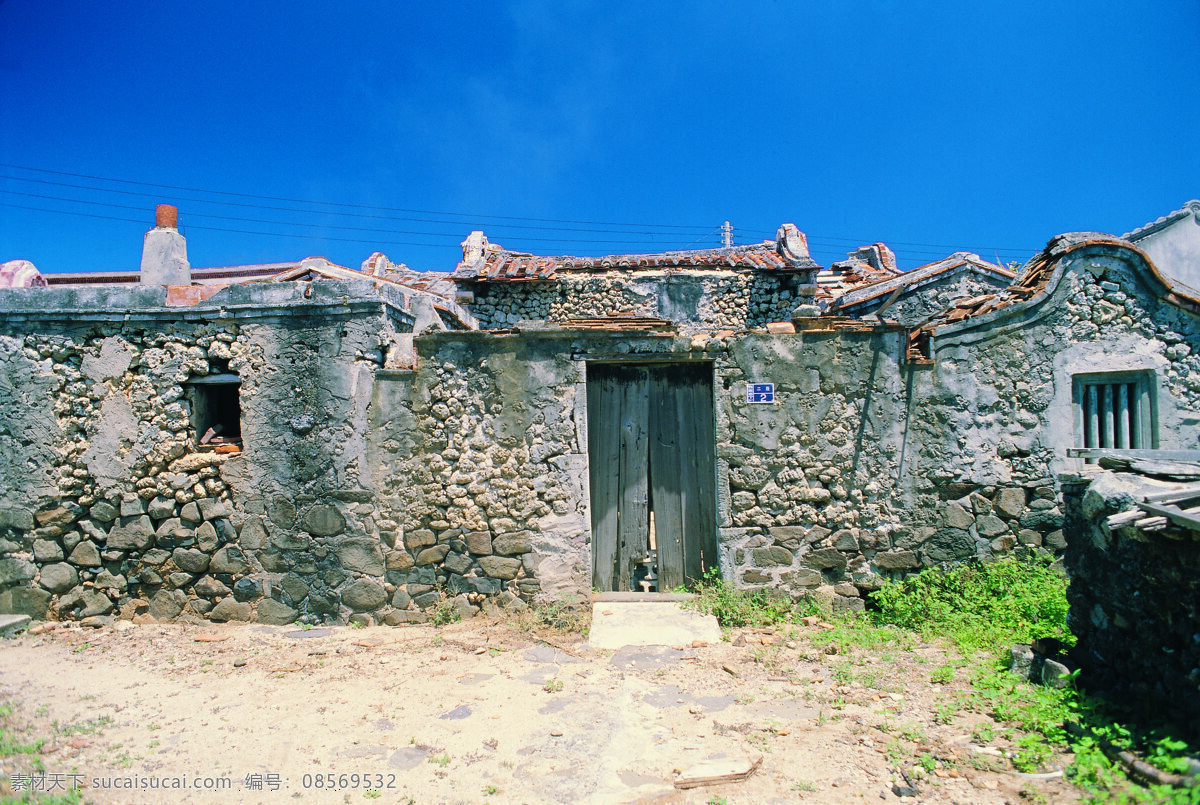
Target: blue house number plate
x,y
760,392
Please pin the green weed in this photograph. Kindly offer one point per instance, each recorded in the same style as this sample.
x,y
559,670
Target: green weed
x,y
734,607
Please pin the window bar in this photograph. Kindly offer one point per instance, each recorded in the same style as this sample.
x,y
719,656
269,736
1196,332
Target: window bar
x,y
1089,416
1121,420
1139,415
1107,427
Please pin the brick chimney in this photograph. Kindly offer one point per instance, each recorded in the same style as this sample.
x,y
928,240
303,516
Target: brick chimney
x,y
164,251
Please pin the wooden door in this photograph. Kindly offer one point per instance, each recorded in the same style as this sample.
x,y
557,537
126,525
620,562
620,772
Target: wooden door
x,y
651,449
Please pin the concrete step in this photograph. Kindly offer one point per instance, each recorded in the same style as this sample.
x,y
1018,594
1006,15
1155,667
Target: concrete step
x,y
647,621
12,625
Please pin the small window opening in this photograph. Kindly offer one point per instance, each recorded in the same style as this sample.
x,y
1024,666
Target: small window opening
x,y
217,412
1114,411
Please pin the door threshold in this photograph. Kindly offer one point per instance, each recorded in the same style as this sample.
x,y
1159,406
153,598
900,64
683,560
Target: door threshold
x,y
630,596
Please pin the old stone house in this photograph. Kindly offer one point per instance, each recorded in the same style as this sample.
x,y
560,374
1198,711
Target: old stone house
x,y
308,440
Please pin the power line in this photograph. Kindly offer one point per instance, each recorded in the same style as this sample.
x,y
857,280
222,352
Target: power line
x,y
312,225
335,203
312,212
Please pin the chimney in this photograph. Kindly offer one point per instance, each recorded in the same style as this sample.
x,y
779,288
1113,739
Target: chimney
x,y
164,251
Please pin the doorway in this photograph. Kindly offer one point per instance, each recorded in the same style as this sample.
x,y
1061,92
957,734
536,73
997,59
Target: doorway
x,y
652,470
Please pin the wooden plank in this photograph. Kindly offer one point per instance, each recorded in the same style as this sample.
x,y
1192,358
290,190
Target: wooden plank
x,y
715,772
665,475
603,460
1175,515
633,516
1162,455
1175,496
699,469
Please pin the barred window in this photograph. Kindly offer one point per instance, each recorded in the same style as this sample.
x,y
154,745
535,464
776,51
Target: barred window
x,y
1115,410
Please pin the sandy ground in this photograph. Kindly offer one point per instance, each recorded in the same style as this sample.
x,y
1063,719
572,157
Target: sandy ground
x,y
484,712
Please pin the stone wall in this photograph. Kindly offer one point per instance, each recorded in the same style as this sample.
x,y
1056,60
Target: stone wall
x,y
930,299
374,493
1134,598
695,299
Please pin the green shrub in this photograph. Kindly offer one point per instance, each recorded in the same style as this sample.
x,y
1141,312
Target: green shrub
x,y
988,605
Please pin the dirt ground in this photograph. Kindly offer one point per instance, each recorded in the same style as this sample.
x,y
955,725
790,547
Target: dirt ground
x,y
484,712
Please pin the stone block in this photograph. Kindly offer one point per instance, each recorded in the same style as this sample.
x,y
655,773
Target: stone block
x,y
211,588
427,600
458,563
291,542
361,554
1003,544
160,508
135,535
817,534
180,579
980,505
499,567
364,595
58,516
58,577
275,613
772,557
324,520
1042,520
253,534
398,559
950,544
214,509
512,544
419,538
400,616
47,550
989,526
103,512
31,601
82,603
401,599
478,542
73,538
190,560
16,517
845,540
107,581
804,577
753,576
955,516
824,558
166,605
190,513
1055,541
1028,537
897,560
1010,502
132,506
206,537
86,554
433,555
231,609
247,589
15,571
294,587
229,560
273,561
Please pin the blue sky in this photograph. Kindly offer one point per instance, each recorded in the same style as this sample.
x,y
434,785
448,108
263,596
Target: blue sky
x,y
563,127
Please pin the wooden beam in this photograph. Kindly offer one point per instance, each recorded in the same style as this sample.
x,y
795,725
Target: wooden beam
x,y
1111,452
